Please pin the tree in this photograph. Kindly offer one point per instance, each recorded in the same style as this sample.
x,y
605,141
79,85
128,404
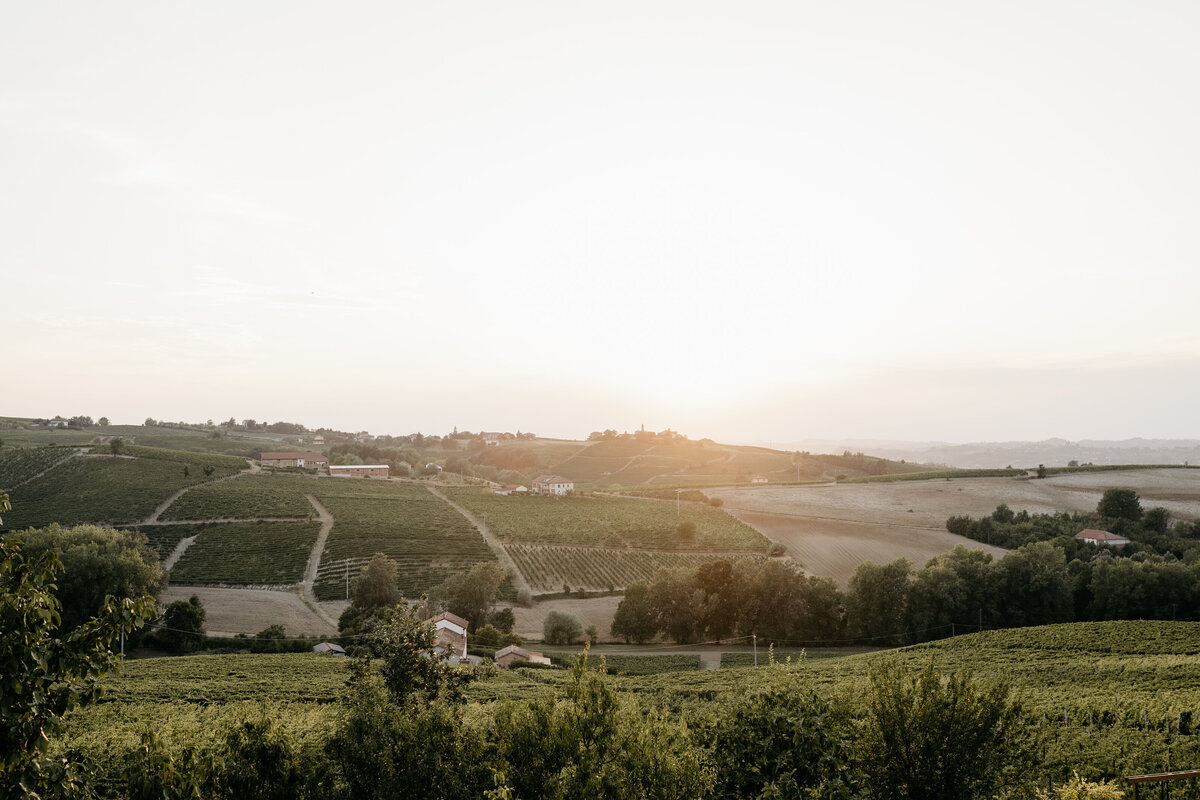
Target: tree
x,y
686,531
472,594
208,470
635,618
116,445
48,672
1120,504
96,562
876,602
1157,519
1041,470
182,628
560,627
375,586
102,422
941,738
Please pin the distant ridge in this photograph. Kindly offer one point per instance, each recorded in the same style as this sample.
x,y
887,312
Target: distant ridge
x,y
1053,452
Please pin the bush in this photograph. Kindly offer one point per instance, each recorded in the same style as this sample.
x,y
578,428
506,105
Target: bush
x,y
561,628
1079,789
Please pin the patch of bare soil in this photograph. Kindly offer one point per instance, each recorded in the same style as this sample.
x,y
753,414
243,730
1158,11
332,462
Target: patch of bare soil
x,y
832,528
596,611
232,611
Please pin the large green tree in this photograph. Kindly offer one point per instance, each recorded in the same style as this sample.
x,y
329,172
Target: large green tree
x,y
97,562
46,671
375,587
876,603
635,619
472,594
1120,504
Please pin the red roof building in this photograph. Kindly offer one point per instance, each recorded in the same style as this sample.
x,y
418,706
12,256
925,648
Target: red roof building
x,y
1102,537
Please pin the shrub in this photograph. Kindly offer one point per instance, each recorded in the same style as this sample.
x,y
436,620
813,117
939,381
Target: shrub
x,y
561,628
1079,789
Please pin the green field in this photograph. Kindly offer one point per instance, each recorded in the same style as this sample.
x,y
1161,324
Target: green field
x,y
107,490
1115,698
20,464
617,522
548,567
163,538
248,553
243,497
427,538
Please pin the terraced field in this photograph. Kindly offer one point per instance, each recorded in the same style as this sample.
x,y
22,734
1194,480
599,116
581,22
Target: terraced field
x,y
426,537
20,464
106,490
548,568
245,497
616,522
248,553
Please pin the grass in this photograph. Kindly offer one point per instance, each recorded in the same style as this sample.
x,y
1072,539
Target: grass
x,y
248,553
243,497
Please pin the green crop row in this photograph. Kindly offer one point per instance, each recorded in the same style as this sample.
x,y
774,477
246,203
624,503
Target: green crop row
x,y
222,464
244,496
98,489
548,568
609,522
425,536
248,553
20,464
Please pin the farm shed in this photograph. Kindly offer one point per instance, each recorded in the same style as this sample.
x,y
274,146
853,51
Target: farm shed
x,y
553,484
331,648
451,632
359,471
508,655
1102,537
309,460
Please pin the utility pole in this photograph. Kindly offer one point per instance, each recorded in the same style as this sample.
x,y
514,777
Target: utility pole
x,y
677,502
754,638
347,579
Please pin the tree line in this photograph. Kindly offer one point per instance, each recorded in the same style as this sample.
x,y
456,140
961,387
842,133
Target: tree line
x,y
1048,578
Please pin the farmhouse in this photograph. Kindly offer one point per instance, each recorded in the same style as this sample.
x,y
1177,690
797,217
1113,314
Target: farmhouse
x,y
451,632
512,489
490,438
553,484
506,656
359,470
1102,537
307,460
759,479
58,422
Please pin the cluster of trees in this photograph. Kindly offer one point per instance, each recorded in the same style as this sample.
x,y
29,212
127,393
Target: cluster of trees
x,y
771,599
890,604
471,595
1151,531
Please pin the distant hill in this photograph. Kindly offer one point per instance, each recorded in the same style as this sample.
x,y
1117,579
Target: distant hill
x,y
1051,452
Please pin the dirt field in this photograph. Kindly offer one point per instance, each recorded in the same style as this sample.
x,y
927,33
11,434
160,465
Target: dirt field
x,y
230,611
830,529
596,611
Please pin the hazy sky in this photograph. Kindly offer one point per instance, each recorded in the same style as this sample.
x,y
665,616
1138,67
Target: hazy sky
x,y
749,221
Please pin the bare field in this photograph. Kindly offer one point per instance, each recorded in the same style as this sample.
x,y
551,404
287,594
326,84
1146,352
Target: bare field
x,y
231,611
831,528
596,611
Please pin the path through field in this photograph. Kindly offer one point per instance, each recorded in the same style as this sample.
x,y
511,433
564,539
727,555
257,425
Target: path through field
x,y
493,541
314,561
177,553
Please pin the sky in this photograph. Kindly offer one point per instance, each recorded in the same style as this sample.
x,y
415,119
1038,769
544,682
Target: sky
x,y
760,221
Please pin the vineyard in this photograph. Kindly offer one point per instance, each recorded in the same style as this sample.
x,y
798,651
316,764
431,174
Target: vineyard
x,y
427,538
244,497
164,538
608,522
104,490
248,553
21,464
548,568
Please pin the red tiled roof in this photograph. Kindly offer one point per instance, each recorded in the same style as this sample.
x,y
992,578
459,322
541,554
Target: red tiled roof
x,y
1100,536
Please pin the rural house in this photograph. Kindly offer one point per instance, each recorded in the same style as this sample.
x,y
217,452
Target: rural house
x,y
512,489
451,630
359,470
553,484
1102,537
304,460
490,438
506,656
